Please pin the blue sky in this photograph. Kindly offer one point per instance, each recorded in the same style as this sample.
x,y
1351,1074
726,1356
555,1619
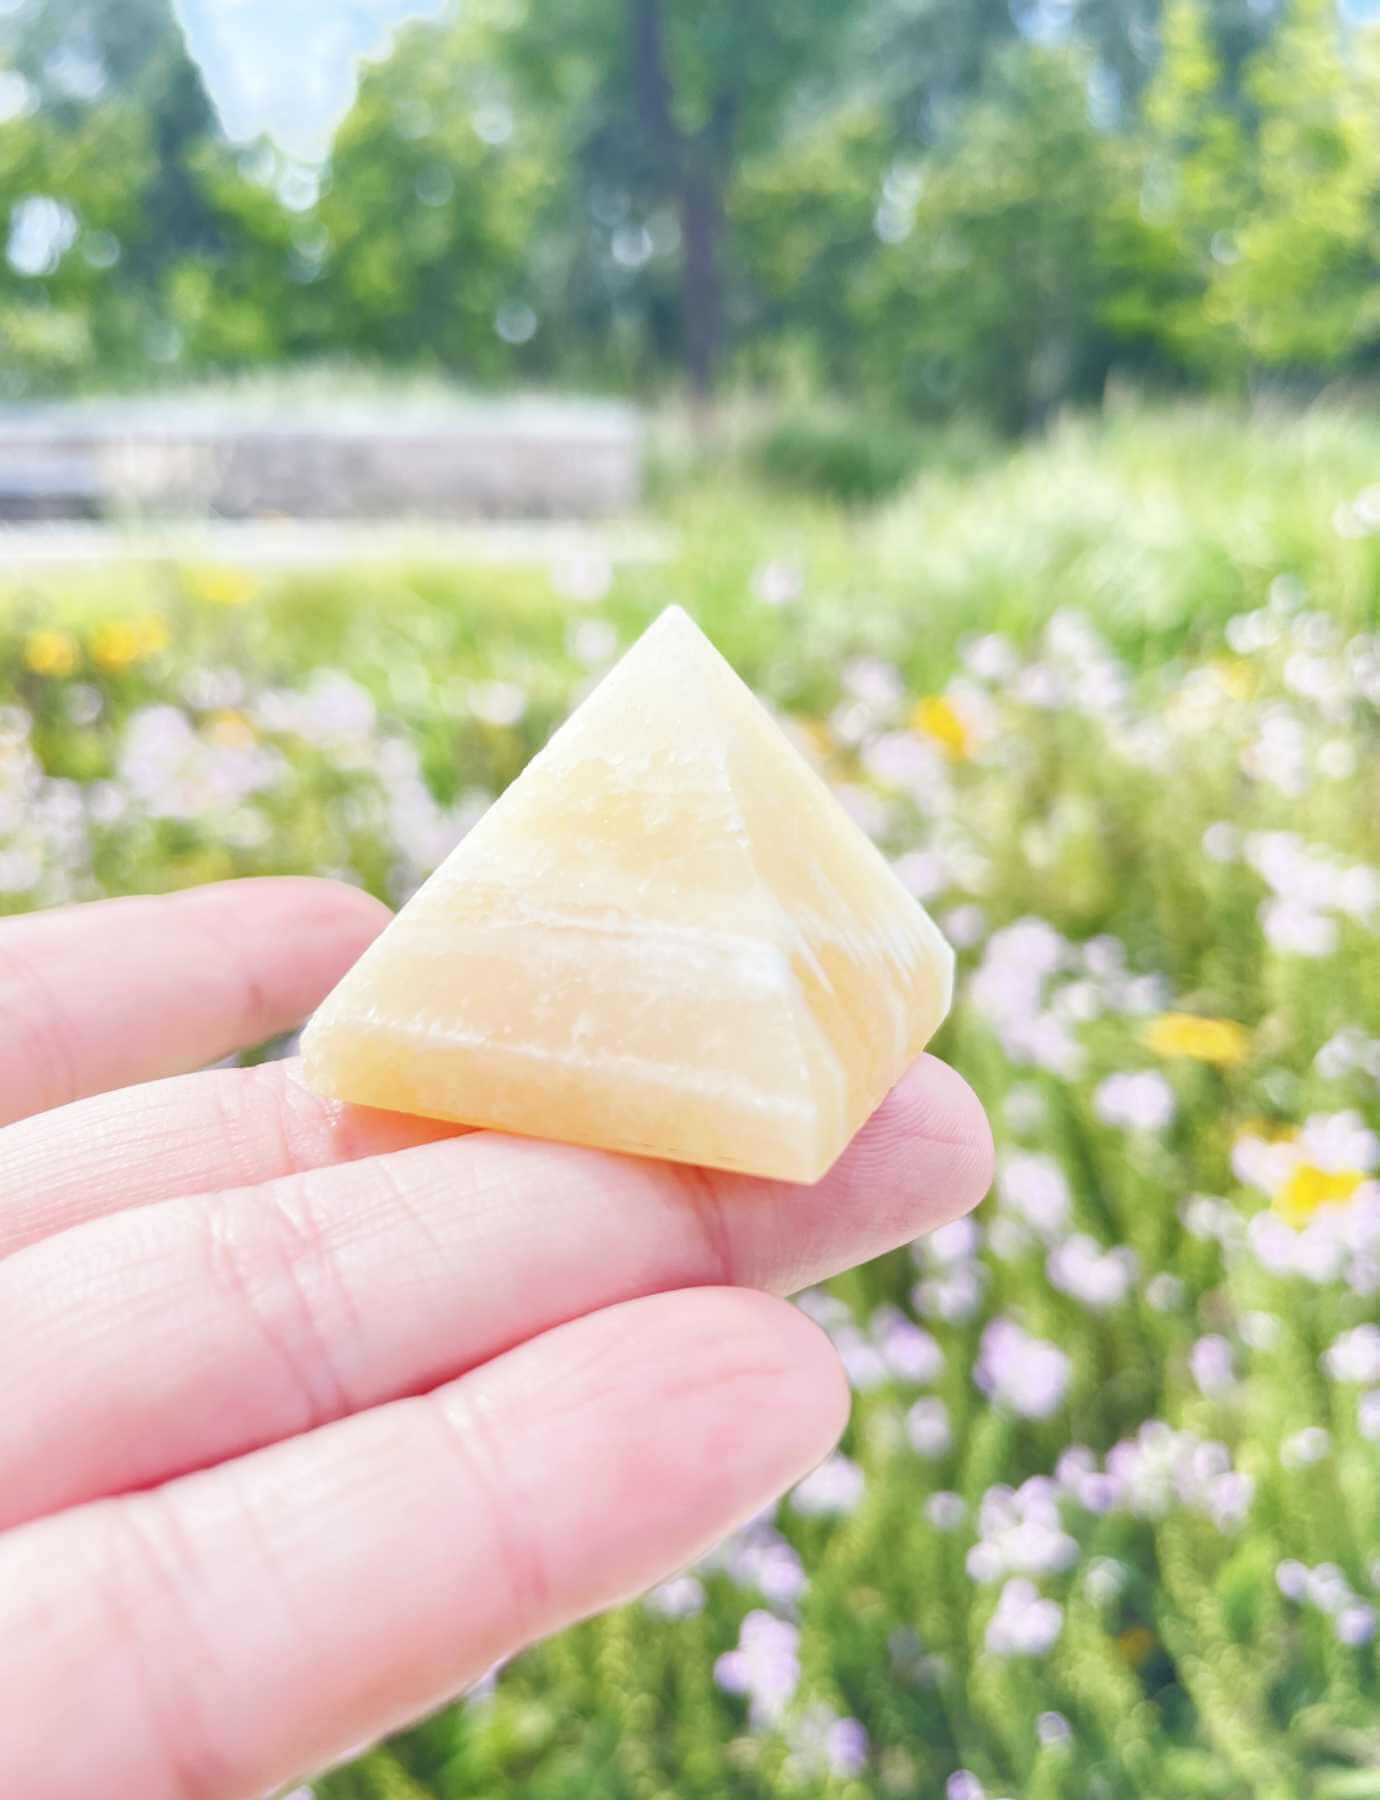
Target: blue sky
x,y
289,67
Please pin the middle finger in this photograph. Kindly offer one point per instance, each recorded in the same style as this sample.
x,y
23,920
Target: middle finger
x,y
139,1346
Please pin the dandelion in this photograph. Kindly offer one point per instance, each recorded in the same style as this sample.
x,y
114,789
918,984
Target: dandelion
x,y
124,642
1309,1188
51,653
219,586
936,717
1219,1041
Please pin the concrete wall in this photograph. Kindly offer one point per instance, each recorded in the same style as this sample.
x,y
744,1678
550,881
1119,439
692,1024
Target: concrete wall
x,y
524,460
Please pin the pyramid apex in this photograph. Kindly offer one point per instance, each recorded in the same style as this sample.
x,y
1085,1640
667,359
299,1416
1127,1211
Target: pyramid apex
x,y
674,620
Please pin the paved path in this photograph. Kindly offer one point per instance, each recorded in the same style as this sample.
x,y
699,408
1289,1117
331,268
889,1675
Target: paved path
x,y
292,544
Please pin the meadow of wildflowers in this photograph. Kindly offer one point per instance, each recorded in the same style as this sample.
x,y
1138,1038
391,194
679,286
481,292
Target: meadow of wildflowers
x,y
1107,1518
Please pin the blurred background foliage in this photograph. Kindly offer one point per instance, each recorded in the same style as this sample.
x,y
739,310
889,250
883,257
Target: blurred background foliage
x,y
933,206
1106,1521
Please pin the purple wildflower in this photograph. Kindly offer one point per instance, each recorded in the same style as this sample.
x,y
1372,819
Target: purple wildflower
x,y
928,1428
836,1486
1025,1622
1356,1624
1024,1373
679,1598
1139,1100
1212,1366
945,1511
764,1668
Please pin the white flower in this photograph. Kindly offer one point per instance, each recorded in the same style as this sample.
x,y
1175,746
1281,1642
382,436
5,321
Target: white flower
x,y
1305,1447
1035,1186
1025,1623
1297,930
1212,1365
1022,1372
1355,1355
928,1429
1097,1277
1135,1101
836,1486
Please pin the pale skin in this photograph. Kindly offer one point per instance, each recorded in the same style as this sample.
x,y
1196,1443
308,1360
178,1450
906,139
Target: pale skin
x,y
310,1414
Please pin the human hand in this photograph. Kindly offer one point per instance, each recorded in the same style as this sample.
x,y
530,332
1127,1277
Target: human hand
x,y
309,1414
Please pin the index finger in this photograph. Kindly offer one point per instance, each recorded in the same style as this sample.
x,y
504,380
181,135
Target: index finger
x,y
106,995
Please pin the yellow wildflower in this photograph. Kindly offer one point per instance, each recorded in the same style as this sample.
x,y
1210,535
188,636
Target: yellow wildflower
x,y
230,730
1271,1131
1136,1644
51,652
1310,1187
124,642
1220,1041
938,718
1235,676
221,587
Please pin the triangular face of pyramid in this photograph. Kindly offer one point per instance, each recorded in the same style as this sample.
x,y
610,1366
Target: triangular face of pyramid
x,y
666,938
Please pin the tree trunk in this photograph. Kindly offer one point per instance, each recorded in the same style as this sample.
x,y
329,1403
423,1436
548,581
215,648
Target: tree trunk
x,y
694,168
701,223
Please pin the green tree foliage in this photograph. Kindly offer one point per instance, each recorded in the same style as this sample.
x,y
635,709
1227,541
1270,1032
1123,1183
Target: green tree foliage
x,y
1195,189
929,204
79,56
86,182
993,297
439,190
1299,284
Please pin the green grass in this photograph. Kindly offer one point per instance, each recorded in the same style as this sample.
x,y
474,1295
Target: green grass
x,y
1126,718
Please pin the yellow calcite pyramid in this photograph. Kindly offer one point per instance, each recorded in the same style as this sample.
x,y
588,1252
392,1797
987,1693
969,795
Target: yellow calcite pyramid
x,y
667,938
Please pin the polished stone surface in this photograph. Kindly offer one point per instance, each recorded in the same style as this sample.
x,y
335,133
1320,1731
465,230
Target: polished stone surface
x,y
667,938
